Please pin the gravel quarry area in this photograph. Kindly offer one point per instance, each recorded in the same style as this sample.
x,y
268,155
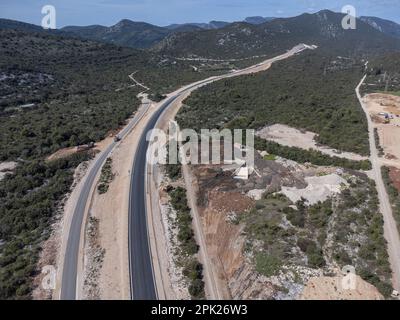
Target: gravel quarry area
x,y
293,137
314,214
318,189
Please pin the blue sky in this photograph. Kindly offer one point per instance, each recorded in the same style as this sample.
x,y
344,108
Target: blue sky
x,y
163,12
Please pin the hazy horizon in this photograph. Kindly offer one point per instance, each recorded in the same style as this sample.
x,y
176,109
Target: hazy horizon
x,y
158,12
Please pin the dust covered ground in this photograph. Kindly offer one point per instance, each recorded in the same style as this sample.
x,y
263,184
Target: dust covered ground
x,y
395,177
303,139
388,126
265,245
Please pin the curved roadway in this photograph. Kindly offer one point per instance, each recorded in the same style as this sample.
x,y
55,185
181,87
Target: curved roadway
x,y
69,275
140,264
142,282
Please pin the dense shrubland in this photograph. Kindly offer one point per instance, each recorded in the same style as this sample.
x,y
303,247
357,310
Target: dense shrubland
x,y
313,91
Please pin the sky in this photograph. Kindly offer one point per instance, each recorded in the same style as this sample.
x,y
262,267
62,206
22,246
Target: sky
x,y
164,12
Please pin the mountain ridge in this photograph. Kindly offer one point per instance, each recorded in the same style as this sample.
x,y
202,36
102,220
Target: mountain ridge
x,y
239,40
386,26
219,36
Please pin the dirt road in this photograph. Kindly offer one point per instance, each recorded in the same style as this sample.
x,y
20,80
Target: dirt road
x,y
390,229
211,282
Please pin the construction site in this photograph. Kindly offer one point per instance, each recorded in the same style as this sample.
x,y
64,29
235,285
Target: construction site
x,y
278,229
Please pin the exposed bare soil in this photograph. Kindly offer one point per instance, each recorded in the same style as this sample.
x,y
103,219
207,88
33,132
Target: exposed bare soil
x,y
395,177
389,133
6,167
331,288
293,137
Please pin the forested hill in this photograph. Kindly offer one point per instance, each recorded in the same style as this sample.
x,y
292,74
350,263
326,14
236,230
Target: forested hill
x,y
58,73
313,91
240,40
57,92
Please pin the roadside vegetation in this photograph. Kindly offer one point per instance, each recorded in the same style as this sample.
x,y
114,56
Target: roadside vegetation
x,y
192,269
381,152
173,171
394,195
29,201
106,177
58,92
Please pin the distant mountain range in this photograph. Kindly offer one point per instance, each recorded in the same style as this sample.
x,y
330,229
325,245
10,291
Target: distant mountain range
x,y
238,40
144,35
220,24
258,19
205,26
254,35
126,32
386,26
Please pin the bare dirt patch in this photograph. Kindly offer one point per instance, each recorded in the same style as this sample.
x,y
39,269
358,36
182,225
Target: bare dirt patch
x,y
178,283
394,175
62,153
226,202
384,110
48,257
6,167
331,288
98,147
293,137
318,189
387,102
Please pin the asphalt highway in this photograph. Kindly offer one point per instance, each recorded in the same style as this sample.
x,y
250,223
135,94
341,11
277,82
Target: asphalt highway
x,y
140,264
69,276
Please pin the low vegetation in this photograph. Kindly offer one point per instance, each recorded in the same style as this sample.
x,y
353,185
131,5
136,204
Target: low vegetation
x,y
192,269
173,171
106,177
29,200
394,194
312,156
58,92
383,74
282,234
312,91
381,152
270,157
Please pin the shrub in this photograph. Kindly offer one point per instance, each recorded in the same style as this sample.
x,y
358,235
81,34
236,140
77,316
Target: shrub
x,y
267,265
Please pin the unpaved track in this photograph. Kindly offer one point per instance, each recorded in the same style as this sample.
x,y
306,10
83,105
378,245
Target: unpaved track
x,y
390,229
141,255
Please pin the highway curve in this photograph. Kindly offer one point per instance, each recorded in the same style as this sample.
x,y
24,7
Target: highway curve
x,y
69,275
140,264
